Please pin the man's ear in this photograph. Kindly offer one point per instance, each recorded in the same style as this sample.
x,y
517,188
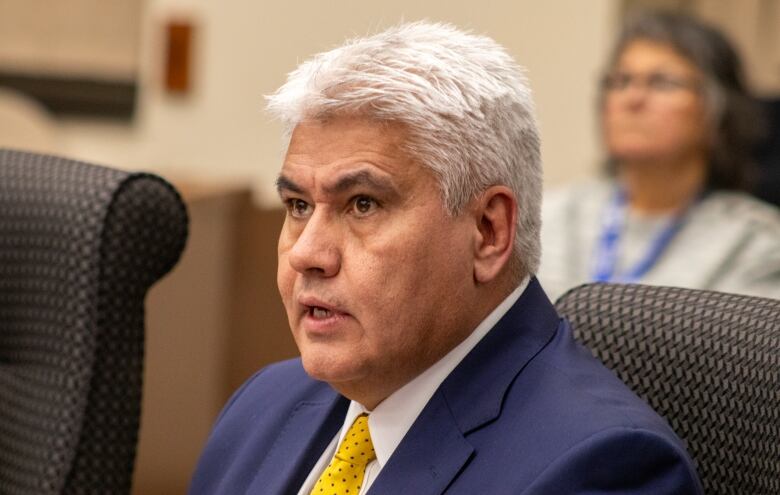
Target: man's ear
x,y
495,213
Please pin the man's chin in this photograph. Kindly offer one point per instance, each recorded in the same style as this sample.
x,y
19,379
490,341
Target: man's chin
x,y
323,367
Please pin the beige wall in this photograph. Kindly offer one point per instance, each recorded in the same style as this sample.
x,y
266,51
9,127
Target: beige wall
x,y
74,37
752,25
244,48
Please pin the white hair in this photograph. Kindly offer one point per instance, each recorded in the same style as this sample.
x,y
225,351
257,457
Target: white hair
x,y
464,102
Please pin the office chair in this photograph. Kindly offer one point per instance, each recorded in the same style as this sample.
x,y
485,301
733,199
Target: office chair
x,y
708,362
80,245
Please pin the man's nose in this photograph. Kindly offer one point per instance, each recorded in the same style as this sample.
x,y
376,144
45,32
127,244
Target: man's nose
x,y
316,250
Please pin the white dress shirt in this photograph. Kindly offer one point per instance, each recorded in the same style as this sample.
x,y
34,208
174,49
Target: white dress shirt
x,y
392,418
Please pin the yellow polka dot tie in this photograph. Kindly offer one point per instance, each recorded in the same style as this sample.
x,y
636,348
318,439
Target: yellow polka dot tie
x,y
344,474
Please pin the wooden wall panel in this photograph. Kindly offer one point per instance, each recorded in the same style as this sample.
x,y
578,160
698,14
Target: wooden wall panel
x,y
260,334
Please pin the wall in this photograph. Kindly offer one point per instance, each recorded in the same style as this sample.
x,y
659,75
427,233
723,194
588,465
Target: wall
x,y
752,25
92,36
243,49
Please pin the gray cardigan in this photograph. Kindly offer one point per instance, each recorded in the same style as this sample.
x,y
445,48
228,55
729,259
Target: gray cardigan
x,y
728,242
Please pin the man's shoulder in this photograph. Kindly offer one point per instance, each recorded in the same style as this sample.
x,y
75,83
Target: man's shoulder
x,y
567,417
580,393
530,369
276,390
280,384
290,370
529,366
248,427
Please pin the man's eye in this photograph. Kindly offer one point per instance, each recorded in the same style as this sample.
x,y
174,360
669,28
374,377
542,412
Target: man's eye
x,y
298,208
363,205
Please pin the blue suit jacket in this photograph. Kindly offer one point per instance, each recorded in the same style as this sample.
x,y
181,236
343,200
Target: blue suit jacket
x,y
527,411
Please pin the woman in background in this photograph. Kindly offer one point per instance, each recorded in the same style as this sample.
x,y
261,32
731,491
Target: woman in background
x,y
678,127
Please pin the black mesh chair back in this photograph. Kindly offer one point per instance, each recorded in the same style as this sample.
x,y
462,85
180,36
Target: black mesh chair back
x,y
80,245
708,362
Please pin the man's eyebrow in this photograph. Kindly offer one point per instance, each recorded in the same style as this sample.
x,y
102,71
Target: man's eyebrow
x,y
361,178
285,184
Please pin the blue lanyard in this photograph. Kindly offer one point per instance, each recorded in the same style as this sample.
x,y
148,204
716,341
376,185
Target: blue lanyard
x,y
606,255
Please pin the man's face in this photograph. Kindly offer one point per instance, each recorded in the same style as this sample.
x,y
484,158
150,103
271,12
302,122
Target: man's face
x,y
375,275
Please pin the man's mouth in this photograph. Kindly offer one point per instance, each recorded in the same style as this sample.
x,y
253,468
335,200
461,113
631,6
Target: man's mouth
x,y
318,309
319,313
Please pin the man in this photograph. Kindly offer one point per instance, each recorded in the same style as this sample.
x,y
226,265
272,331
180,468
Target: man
x,y
412,184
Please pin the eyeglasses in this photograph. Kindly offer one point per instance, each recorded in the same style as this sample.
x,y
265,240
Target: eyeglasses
x,y
656,82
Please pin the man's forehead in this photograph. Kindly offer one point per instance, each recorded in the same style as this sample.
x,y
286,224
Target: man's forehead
x,y
341,153
338,181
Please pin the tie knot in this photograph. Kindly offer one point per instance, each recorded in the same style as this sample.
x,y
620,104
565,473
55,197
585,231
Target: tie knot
x,y
356,448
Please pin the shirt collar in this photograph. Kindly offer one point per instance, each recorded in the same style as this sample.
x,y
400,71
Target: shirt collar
x,y
393,417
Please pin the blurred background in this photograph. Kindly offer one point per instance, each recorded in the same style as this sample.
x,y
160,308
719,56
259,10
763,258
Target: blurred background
x,y
176,87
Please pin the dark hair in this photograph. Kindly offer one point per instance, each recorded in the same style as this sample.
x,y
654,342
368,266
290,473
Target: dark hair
x,y
737,122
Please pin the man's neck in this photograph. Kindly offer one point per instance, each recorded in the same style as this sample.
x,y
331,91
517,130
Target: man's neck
x,y
371,393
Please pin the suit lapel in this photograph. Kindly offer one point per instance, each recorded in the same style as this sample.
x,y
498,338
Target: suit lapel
x,y
476,388
302,440
436,448
428,458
